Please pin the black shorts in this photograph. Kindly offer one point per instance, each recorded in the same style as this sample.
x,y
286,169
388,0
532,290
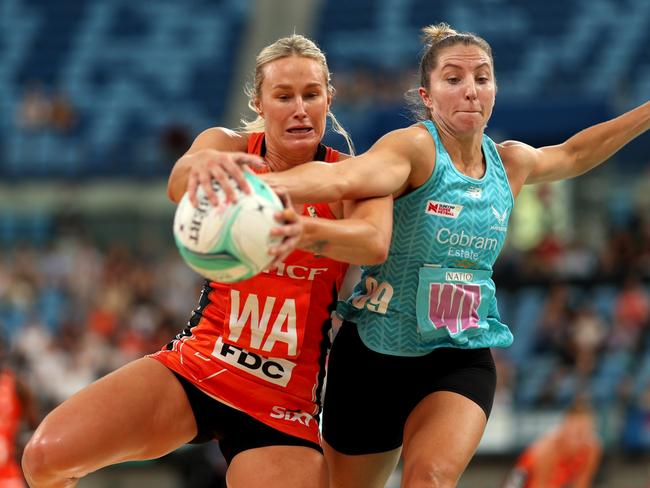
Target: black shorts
x,y
370,395
235,430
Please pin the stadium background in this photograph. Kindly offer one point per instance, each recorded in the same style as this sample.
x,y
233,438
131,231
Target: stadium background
x,y
98,99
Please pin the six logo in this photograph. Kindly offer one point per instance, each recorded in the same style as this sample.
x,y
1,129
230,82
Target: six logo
x,y
291,415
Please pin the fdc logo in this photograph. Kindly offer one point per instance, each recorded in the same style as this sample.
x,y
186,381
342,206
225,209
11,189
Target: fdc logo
x,y
276,370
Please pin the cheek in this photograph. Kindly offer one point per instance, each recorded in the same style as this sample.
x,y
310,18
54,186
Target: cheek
x,y
277,112
488,94
445,94
318,114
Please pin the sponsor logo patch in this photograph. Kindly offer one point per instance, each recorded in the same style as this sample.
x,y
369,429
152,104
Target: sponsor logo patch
x,y
501,219
273,370
443,209
298,416
458,276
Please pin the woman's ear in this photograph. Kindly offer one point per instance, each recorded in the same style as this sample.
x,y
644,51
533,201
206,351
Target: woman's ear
x,y
258,107
425,97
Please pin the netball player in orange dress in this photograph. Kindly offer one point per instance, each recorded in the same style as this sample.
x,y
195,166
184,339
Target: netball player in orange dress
x,y
249,367
16,405
568,455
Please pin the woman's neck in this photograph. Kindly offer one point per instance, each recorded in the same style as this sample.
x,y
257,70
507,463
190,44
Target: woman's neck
x,y
279,161
466,152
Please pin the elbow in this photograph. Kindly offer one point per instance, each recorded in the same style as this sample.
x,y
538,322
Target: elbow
x,y
378,253
379,257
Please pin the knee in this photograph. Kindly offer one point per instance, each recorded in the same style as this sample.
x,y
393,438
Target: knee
x,y
429,474
39,461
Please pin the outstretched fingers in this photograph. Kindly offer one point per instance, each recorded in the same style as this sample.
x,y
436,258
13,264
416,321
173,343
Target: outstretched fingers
x,y
224,168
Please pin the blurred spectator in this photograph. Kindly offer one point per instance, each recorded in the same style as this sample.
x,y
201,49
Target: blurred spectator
x,y
35,108
636,432
568,455
552,330
588,333
63,117
547,255
620,253
644,248
578,261
631,314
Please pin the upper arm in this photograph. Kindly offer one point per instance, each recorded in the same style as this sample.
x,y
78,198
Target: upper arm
x,y
536,165
219,138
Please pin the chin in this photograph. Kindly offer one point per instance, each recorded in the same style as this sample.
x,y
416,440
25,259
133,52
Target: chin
x,y
305,142
470,126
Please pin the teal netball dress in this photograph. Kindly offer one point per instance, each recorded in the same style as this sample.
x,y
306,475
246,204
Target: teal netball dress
x,y
435,289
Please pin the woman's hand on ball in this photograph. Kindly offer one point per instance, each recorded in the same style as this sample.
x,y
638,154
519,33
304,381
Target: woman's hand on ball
x,y
210,164
290,230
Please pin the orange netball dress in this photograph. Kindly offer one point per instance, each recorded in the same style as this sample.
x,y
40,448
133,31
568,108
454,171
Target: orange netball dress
x,y
563,472
10,414
259,345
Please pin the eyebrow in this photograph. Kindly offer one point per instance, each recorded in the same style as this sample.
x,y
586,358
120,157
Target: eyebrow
x,y
286,85
451,65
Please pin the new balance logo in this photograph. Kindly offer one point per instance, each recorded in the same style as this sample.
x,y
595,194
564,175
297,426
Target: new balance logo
x,y
474,192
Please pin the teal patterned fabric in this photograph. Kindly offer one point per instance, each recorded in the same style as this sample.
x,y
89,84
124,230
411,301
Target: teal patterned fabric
x,y
435,288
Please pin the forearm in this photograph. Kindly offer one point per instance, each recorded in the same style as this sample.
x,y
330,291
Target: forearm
x,y
596,144
177,182
313,182
382,170
352,241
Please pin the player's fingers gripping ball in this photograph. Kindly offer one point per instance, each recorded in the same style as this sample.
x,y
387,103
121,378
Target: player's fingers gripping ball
x,y
228,242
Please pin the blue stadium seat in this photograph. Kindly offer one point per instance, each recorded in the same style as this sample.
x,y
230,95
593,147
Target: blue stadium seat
x,y
128,68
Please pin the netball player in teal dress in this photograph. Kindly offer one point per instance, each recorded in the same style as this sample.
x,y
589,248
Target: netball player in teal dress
x,y
410,371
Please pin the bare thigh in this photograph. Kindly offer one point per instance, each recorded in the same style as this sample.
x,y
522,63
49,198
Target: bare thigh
x,y
278,467
360,470
138,412
440,437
